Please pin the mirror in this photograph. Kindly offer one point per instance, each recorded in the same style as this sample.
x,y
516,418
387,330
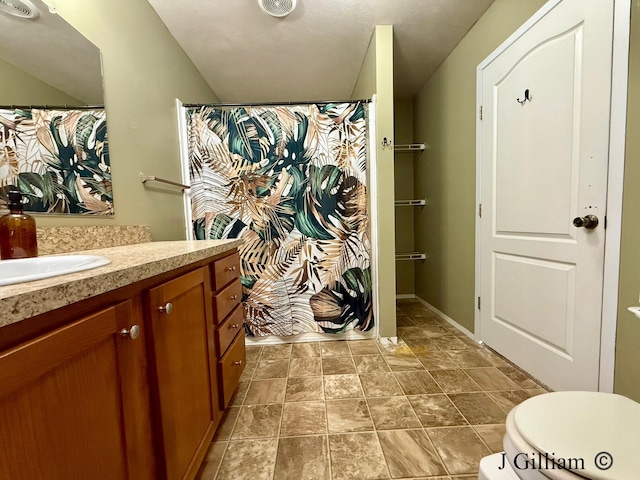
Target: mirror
x,y
44,60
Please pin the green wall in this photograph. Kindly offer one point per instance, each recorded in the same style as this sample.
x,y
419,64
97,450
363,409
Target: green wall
x,y
403,179
627,372
445,117
145,70
376,77
20,88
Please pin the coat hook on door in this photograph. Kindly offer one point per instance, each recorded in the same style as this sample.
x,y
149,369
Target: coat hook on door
x,y
386,143
526,97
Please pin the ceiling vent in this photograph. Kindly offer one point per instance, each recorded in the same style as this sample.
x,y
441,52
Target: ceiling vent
x,y
275,8
19,8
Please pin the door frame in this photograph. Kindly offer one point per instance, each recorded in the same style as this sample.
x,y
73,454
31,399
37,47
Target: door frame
x,y
615,169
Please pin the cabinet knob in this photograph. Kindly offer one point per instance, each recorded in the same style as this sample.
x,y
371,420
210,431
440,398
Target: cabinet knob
x,y
234,297
168,308
238,363
235,325
231,269
132,333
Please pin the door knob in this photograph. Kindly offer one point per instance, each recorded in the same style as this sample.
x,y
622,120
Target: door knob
x,y
168,308
132,333
588,221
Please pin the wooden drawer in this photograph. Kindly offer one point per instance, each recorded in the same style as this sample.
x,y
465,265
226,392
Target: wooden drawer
x,y
228,329
226,299
225,270
230,368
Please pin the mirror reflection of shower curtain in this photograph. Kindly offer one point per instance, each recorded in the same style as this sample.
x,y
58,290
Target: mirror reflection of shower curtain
x,y
291,181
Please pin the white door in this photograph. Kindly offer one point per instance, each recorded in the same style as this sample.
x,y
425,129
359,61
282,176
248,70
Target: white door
x,y
544,141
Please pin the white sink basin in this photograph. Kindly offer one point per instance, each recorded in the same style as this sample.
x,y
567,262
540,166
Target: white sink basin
x,y
29,269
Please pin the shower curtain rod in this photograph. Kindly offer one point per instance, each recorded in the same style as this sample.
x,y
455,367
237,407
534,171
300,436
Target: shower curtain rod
x,y
267,104
52,107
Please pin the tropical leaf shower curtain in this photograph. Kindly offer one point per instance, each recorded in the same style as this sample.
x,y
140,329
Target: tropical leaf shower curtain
x,y
291,181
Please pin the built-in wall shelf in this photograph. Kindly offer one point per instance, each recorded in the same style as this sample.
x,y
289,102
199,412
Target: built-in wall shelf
x,y
411,256
421,202
410,147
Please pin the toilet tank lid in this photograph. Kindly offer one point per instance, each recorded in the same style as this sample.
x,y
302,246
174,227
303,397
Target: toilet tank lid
x,y
602,429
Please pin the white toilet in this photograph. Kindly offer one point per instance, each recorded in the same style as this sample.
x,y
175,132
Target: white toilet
x,y
569,436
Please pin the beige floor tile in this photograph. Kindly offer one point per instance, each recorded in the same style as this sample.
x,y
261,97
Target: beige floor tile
x,y
380,385
417,383
438,330
389,413
493,358
212,461
412,332
226,424
305,350
404,363
305,367
371,364
252,353
460,448
436,411
303,458
249,370
469,359
404,321
275,352
266,391
490,379
520,378
237,466
449,342
271,369
436,360
338,365
363,347
409,453
303,418
426,321
255,421
492,436
469,341
334,349
478,408
454,381
357,456
348,415
400,348
420,346
241,392
508,399
342,386
303,389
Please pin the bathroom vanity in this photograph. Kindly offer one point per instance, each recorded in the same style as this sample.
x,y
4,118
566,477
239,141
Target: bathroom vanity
x,y
124,371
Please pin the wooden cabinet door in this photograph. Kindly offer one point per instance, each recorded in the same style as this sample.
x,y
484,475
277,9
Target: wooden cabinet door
x,y
181,324
61,404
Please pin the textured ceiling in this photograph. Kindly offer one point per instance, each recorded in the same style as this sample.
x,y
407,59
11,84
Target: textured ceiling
x,y
316,52
51,50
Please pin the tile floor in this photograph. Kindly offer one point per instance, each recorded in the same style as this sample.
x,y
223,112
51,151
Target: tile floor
x,y
429,407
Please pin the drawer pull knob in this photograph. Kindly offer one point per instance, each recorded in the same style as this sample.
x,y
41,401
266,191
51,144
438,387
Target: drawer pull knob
x,y
234,297
238,363
235,325
168,308
132,333
231,269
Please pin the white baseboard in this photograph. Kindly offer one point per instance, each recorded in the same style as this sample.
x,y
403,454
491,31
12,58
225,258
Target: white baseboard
x,y
404,296
447,319
388,340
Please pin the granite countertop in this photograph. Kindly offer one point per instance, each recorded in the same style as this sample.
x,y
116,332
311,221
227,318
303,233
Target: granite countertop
x,y
129,264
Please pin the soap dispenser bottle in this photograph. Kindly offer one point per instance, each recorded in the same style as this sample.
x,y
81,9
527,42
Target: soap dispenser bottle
x,y
17,231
